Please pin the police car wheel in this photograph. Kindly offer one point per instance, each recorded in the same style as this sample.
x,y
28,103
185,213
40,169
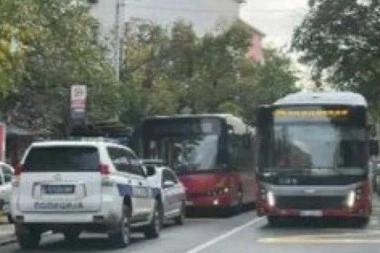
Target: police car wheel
x,y
122,237
180,220
27,237
153,229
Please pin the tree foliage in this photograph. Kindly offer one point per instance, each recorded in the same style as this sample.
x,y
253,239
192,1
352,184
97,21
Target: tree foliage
x,y
46,46
172,70
340,40
57,50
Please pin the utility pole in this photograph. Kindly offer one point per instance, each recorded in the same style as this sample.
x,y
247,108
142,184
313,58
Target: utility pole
x,y
117,41
119,37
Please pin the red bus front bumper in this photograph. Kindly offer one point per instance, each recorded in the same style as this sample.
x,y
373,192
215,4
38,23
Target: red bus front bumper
x,y
220,201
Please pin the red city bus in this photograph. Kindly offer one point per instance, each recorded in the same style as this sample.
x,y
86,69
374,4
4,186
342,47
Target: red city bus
x,y
313,153
212,154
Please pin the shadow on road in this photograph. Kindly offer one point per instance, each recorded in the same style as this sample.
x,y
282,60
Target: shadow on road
x,y
217,213
86,244
313,223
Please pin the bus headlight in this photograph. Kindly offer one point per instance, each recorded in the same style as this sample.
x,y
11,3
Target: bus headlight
x,y
351,199
271,199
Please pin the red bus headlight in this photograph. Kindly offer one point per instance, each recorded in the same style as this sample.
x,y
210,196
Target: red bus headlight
x,y
271,199
351,199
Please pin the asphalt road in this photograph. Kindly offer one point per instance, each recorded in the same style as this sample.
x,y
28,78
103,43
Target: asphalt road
x,y
240,234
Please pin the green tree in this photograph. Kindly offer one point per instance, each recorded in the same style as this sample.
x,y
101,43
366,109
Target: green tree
x,y
173,71
15,33
147,50
340,40
264,84
219,61
63,54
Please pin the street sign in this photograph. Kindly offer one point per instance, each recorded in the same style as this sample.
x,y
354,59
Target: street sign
x,y
3,138
78,99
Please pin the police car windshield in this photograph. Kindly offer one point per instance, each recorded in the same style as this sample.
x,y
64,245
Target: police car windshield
x,y
62,159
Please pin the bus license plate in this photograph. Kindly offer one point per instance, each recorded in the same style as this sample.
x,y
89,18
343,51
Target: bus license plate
x,y
189,203
312,213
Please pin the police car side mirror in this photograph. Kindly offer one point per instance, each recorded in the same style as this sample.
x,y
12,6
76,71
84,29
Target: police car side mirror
x,y
150,170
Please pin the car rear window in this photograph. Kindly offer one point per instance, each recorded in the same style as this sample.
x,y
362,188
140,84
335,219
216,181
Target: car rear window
x,y
62,159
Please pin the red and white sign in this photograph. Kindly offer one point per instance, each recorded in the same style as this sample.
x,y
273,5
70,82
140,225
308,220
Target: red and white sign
x,y
78,96
78,101
3,137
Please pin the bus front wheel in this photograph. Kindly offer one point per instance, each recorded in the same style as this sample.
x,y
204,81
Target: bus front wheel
x,y
360,222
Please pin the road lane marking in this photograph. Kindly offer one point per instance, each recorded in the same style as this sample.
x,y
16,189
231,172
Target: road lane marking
x,y
285,240
340,238
225,235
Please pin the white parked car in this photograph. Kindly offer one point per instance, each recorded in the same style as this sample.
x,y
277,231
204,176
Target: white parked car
x,y
172,192
6,174
73,186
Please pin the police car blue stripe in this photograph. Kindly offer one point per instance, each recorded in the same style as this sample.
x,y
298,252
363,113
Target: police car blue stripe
x,y
134,191
124,189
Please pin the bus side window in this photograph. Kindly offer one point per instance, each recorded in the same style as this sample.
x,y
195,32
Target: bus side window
x,y
233,151
247,141
238,153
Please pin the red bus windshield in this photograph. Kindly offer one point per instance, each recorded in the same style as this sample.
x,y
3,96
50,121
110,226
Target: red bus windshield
x,y
185,154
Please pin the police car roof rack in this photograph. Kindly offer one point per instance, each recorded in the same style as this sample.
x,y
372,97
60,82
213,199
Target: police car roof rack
x,y
93,139
159,162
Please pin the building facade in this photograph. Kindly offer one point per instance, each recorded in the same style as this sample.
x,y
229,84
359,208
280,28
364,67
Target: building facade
x,y
204,15
110,15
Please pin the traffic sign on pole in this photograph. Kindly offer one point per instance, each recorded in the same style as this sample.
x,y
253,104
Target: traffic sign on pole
x,y
78,97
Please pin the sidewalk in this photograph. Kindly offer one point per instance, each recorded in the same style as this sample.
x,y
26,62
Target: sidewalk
x,y
7,232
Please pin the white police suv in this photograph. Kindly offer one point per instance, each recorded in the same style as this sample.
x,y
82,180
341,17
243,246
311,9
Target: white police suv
x,y
74,186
